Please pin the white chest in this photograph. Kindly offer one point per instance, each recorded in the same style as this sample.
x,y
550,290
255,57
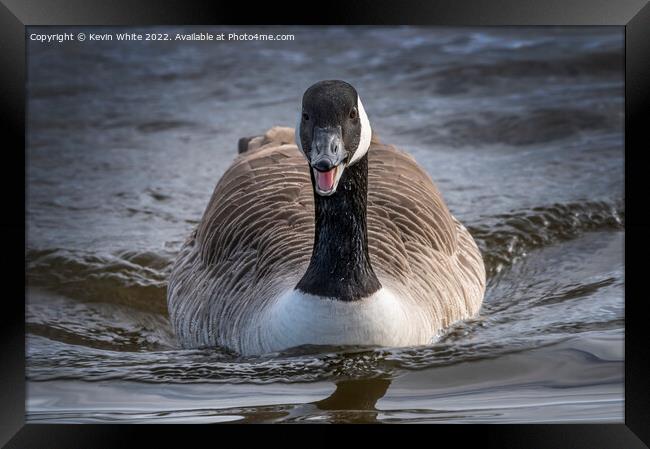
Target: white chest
x,y
296,318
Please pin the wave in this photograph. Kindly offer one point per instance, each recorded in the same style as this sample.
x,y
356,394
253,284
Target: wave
x,y
504,239
530,127
303,364
131,278
462,79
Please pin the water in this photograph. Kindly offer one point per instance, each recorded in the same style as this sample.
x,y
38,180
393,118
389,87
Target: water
x,y
521,129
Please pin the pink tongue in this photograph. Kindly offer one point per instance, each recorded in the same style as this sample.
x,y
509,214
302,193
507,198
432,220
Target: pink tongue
x,y
325,180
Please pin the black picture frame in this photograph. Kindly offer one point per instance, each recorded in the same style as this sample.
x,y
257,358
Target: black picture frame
x,y
633,15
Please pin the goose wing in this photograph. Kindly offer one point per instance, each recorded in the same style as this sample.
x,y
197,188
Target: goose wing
x,y
417,247
253,242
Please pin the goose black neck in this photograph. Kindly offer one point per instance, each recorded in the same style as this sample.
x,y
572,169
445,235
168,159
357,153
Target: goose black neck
x,y
340,264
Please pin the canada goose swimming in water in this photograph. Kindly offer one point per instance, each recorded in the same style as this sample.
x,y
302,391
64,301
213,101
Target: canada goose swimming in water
x,y
353,247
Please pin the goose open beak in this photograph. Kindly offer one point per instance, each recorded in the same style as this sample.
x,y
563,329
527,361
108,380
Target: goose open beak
x,y
327,157
327,181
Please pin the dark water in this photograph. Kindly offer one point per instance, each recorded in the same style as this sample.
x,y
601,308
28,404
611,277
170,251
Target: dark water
x,y
521,128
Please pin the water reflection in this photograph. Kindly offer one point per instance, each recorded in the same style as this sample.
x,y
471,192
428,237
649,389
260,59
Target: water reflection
x,y
355,400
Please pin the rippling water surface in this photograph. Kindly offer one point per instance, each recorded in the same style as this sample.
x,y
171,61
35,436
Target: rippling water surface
x,y
521,128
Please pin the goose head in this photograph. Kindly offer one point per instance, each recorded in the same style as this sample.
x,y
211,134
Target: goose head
x,y
333,132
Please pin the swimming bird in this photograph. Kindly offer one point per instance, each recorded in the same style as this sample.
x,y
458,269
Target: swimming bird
x,y
323,236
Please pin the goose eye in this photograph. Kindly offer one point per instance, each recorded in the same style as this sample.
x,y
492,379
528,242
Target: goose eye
x,y
305,116
353,113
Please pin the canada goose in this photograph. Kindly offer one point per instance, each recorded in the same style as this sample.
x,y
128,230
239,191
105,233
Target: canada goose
x,y
354,247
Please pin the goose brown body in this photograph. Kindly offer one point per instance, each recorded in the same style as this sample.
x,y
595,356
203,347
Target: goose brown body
x,y
254,242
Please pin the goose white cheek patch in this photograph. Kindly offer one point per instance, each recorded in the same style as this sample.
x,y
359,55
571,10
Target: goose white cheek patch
x,y
366,132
